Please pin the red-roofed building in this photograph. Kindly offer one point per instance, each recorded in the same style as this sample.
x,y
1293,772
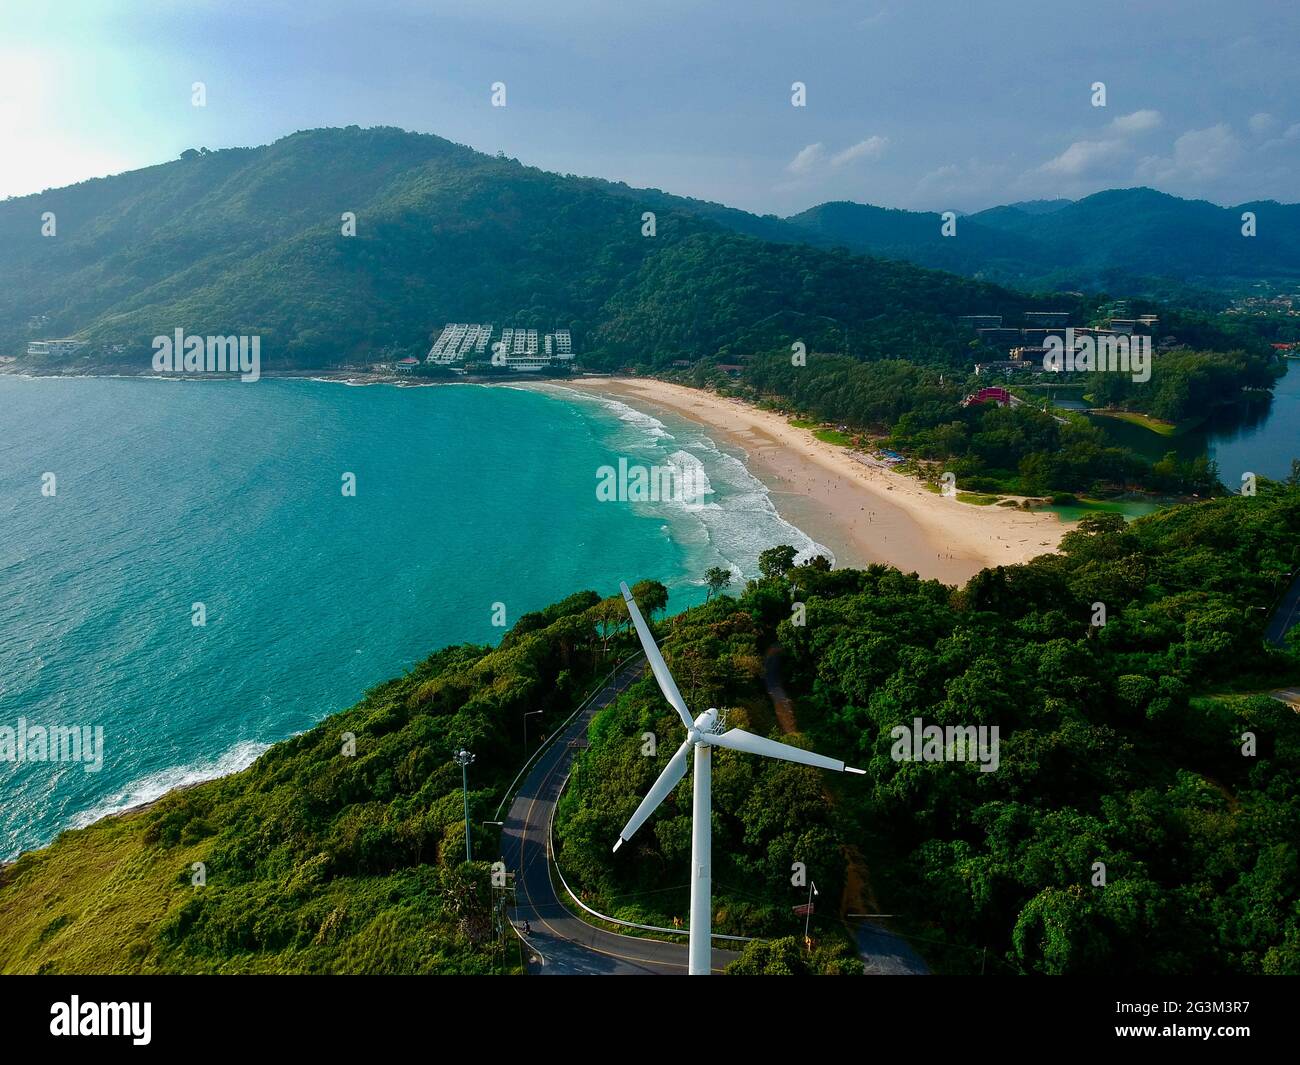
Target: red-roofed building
x,y
1000,396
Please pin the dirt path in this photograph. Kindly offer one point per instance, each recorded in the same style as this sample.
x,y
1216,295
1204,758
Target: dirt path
x,y
858,896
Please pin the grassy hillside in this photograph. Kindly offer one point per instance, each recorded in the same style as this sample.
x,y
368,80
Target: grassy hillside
x,y
316,859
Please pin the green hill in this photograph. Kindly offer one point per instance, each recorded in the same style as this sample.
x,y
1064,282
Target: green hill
x,y
248,241
1120,240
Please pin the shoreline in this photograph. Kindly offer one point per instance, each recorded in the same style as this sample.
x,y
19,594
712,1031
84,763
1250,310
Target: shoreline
x,y
865,513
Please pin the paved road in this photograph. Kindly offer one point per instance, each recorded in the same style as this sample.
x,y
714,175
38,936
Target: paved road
x,y
1286,615
885,953
566,945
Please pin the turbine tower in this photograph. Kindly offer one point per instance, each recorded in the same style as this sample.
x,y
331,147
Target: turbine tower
x,y
702,734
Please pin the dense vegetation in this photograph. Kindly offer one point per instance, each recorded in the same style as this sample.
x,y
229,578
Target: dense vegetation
x,y
1132,240
317,858
1187,384
249,241
1120,744
917,409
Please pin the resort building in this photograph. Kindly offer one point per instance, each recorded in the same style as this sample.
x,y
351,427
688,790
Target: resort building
x,y
1029,353
980,321
523,350
1047,319
458,340
64,346
999,338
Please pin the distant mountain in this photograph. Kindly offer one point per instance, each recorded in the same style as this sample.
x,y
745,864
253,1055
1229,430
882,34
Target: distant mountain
x,y
248,241
1040,206
1119,240
917,237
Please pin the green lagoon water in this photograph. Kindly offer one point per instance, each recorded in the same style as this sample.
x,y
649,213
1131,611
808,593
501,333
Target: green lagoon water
x,y
1263,441
173,493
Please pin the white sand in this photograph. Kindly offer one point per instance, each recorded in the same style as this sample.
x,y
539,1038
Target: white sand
x,y
863,513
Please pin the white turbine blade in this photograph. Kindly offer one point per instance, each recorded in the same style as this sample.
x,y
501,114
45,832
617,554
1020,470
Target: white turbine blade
x,y
660,790
657,665
740,740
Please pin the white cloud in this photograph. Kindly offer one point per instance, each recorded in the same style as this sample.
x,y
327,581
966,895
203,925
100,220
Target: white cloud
x,y
961,186
871,148
1199,154
807,159
1081,157
1288,138
815,158
1138,122
1261,123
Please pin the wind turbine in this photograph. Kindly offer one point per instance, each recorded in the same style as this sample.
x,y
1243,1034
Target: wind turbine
x,y
702,735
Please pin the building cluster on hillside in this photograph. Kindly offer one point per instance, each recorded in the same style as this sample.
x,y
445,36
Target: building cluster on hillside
x,y
1026,345
56,348
1286,304
457,340
522,350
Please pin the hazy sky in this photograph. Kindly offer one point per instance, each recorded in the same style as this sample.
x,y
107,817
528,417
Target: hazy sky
x,y
916,104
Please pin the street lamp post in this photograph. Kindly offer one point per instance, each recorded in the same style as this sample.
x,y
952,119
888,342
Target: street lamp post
x,y
807,917
527,715
463,758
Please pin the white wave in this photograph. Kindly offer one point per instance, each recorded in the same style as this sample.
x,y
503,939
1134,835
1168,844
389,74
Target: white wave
x,y
157,784
692,480
647,423
350,382
738,521
734,518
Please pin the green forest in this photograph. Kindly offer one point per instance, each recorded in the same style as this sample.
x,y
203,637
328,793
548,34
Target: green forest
x,y
916,409
1121,744
1145,743
249,241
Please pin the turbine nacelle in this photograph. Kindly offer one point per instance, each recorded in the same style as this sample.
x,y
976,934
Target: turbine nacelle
x,y
704,724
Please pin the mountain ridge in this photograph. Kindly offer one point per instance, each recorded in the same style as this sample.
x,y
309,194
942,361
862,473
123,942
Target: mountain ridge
x,y
249,241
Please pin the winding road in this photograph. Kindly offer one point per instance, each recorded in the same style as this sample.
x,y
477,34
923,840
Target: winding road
x,y
561,943
1285,616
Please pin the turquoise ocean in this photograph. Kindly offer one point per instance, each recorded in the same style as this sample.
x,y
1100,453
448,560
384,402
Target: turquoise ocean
x,y
169,494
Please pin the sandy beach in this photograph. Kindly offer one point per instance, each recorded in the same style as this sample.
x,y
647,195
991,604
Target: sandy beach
x,y
863,513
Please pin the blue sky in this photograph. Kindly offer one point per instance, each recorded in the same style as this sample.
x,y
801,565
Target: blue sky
x,y
925,105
